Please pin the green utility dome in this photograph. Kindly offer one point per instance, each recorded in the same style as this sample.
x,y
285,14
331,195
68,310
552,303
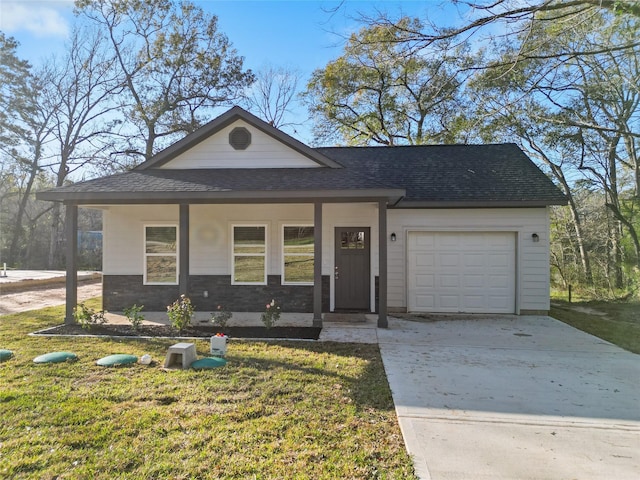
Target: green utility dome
x,y
56,357
118,359
5,354
208,362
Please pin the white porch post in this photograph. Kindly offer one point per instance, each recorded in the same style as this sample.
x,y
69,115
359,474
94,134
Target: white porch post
x,y
71,227
183,276
317,264
382,264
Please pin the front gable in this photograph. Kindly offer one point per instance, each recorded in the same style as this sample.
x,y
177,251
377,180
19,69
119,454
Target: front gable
x,y
255,150
237,139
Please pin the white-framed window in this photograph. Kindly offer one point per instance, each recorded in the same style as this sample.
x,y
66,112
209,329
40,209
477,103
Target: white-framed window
x,y
298,243
249,255
160,254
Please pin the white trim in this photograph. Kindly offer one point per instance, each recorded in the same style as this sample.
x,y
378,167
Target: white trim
x,y
282,253
265,255
145,255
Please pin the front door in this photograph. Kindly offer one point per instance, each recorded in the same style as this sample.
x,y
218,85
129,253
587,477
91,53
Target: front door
x,y
352,269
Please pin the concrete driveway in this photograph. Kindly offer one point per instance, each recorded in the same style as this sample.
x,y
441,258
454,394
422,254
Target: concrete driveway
x,y
513,398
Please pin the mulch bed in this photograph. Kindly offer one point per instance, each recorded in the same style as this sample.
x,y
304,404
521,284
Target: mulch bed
x,y
290,333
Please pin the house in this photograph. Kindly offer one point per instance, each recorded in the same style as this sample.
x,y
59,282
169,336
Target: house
x,y
238,213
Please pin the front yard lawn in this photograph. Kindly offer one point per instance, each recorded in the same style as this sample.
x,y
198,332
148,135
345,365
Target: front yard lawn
x,y
616,322
277,410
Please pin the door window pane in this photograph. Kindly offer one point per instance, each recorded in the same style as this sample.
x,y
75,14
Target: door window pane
x,y
352,240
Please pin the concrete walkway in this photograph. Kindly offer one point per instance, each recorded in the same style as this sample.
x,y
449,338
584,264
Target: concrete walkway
x,y
513,398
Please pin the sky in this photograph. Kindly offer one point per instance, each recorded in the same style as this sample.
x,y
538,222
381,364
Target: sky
x,y
298,34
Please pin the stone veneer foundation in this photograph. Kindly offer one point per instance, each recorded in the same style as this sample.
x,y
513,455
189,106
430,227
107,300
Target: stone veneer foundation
x,y
122,291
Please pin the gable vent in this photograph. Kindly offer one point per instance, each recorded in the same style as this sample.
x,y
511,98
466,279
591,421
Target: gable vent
x,y
240,138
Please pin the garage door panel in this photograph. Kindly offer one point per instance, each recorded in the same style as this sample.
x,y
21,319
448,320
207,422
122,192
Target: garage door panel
x,y
461,272
499,260
502,302
425,302
473,281
449,281
425,281
425,260
448,241
449,302
474,301
498,281
474,259
448,260
423,241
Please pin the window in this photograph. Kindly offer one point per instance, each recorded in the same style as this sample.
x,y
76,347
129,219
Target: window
x,y
297,254
161,254
352,241
249,254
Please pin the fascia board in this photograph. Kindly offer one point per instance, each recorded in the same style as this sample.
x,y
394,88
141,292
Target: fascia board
x,y
221,197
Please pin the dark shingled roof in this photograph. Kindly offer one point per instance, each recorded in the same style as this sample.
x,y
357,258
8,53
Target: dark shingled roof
x,y
430,176
411,176
453,173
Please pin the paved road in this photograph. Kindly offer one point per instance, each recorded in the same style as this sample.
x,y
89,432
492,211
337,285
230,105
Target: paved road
x,y
513,398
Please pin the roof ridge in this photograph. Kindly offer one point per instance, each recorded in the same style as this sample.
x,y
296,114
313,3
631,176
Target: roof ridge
x,y
439,145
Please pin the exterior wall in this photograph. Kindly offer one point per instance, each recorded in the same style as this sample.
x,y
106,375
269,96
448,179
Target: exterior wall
x,y
123,235
210,233
264,152
210,245
532,258
210,242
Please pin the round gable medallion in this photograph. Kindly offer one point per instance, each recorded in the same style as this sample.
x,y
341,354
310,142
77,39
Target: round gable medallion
x,y
240,138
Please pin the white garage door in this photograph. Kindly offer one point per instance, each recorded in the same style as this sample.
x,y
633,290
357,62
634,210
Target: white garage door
x,y
471,272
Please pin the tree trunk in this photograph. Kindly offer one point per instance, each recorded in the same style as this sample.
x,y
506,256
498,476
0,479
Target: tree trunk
x,y
577,227
55,239
16,256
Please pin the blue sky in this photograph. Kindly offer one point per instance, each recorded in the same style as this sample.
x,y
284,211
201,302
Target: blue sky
x,y
299,34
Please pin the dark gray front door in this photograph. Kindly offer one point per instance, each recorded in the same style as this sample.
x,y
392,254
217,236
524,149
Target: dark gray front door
x,y
352,269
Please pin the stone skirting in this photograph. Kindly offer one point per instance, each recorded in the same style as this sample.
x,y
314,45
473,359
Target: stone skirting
x,y
122,291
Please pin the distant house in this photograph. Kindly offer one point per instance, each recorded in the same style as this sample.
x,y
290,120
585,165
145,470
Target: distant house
x,y
238,213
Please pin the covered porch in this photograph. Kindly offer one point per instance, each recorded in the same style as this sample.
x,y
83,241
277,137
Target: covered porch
x,y
312,299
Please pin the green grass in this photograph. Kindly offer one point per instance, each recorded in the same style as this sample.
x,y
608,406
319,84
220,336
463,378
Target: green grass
x,y
616,322
277,410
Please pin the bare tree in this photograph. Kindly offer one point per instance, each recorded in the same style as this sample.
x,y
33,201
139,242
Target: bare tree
x,y
174,63
83,84
578,115
272,95
515,18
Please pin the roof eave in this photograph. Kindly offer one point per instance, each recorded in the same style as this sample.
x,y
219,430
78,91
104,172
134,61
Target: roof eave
x,y
247,196
479,203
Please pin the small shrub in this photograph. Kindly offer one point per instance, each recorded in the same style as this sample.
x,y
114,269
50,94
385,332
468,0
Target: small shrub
x,y
271,314
180,313
88,317
221,317
134,316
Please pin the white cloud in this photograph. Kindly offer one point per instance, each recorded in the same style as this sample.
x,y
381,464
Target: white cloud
x,y
40,18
